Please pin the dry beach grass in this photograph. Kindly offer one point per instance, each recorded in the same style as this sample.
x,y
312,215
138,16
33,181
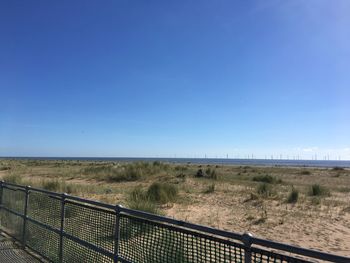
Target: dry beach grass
x,y
308,207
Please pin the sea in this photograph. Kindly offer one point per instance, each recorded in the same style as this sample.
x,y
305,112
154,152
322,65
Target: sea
x,y
204,161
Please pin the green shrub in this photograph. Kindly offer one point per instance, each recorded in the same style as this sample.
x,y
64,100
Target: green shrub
x,y
318,190
156,163
162,193
199,173
293,196
138,194
209,173
139,200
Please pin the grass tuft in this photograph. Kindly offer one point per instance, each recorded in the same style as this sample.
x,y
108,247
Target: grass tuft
x,y
305,172
125,172
293,196
264,190
162,193
148,201
209,189
53,185
5,168
13,178
211,173
139,200
199,173
266,179
338,168
316,200
318,190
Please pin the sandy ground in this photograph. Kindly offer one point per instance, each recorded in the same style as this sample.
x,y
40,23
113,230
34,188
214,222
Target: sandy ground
x,y
300,225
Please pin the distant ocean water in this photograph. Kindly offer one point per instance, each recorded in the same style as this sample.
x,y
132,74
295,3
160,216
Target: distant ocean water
x,y
215,161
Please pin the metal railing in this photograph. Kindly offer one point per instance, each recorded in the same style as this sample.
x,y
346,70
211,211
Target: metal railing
x,y
64,228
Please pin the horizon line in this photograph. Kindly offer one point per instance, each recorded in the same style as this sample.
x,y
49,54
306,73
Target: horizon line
x,y
157,157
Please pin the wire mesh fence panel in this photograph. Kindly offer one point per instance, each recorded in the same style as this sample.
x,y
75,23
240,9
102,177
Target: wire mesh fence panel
x,y
264,256
144,241
14,199
12,224
74,252
44,241
44,208
91,224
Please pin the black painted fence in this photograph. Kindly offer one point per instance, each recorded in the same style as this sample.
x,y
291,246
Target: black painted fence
x,y
64,228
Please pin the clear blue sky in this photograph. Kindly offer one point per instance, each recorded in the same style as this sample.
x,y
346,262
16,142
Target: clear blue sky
x,y
166,78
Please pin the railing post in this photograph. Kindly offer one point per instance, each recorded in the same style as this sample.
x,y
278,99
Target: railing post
x,y
247,240
63,201
1,191
24,237
117,233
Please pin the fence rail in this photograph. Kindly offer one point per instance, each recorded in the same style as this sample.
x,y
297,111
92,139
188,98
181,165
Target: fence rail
x,y
64,228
